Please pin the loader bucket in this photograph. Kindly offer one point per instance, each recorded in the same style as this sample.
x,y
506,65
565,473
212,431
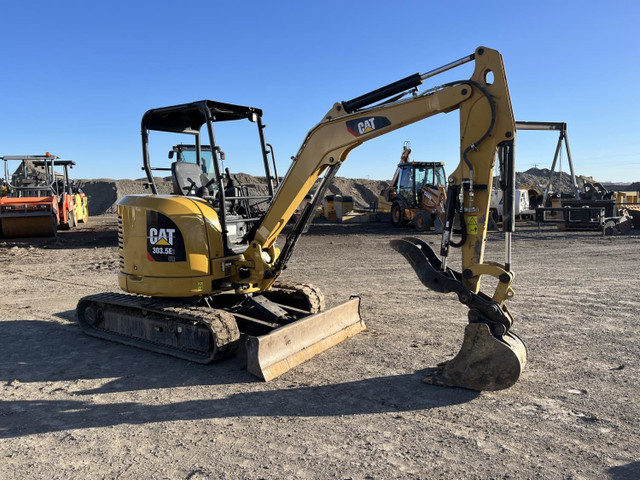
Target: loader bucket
x,y
271,355
484,362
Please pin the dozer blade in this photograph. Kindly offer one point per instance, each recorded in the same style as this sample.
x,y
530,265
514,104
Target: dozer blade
x,y
483,363
271,355
491,357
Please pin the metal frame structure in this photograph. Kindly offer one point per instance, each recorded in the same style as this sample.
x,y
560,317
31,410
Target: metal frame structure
x,y
562,128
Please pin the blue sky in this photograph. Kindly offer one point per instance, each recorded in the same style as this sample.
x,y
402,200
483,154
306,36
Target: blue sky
x,y
77,76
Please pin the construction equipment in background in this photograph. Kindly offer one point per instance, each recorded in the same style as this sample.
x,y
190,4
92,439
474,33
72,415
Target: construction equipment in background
x,y
30,207
417,194
587,207
223,277
40,201
248,197
563,138
72,202
522,205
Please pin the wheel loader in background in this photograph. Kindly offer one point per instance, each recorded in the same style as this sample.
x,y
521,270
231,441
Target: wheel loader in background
x,y
417,193
203,276
38,200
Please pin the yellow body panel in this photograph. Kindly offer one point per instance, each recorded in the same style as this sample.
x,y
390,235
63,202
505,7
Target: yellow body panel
x,y
194,230
172,246
80,210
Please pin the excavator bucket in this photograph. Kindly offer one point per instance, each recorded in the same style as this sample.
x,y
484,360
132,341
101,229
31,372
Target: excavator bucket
x,y
271,355
491,357
484,362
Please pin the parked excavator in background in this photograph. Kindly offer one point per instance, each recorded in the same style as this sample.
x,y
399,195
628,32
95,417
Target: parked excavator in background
x,y
38,200
417,194
203,275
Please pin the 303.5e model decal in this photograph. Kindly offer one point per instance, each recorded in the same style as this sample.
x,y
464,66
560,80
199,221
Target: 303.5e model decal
x,y
164,240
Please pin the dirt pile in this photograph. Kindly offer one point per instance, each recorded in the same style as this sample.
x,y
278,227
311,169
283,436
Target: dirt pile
x,y
539,178
561,181
364,192
103,194
622,187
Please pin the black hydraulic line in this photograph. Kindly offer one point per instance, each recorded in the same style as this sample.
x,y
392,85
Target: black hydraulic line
x,y
450,212
508,183
463,232
381,93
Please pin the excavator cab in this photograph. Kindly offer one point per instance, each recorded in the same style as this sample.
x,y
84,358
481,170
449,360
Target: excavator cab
x,y
197,169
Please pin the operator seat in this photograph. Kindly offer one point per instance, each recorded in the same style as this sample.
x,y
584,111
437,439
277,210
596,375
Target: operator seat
x,y
188,179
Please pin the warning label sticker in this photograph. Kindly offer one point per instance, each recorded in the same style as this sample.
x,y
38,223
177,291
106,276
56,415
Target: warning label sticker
x,y
472,225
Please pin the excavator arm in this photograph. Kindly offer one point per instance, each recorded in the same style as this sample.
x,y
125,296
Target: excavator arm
x,y
492,357
486,122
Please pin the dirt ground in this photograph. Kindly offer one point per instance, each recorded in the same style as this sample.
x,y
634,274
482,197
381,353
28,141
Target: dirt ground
x,y
73,406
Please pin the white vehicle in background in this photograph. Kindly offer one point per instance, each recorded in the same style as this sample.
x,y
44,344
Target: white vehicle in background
x,y
522,207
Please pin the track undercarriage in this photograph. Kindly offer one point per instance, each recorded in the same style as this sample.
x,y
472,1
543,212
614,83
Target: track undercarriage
x,y
213,328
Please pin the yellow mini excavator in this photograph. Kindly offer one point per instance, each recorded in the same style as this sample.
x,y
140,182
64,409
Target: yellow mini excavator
x,y
203,266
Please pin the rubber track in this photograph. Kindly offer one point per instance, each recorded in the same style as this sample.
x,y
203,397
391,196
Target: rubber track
x,y
221,324
311,293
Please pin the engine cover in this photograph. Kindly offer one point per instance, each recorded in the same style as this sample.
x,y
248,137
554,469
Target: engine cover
x,y
167,244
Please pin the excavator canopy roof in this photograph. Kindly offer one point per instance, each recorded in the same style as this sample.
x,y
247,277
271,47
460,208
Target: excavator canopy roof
x,y
189,117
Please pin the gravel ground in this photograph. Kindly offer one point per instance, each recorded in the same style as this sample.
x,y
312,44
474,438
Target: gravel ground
x,y
73,406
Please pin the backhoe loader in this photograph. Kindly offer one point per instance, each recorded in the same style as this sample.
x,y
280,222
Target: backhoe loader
x,y
206,275
417,193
